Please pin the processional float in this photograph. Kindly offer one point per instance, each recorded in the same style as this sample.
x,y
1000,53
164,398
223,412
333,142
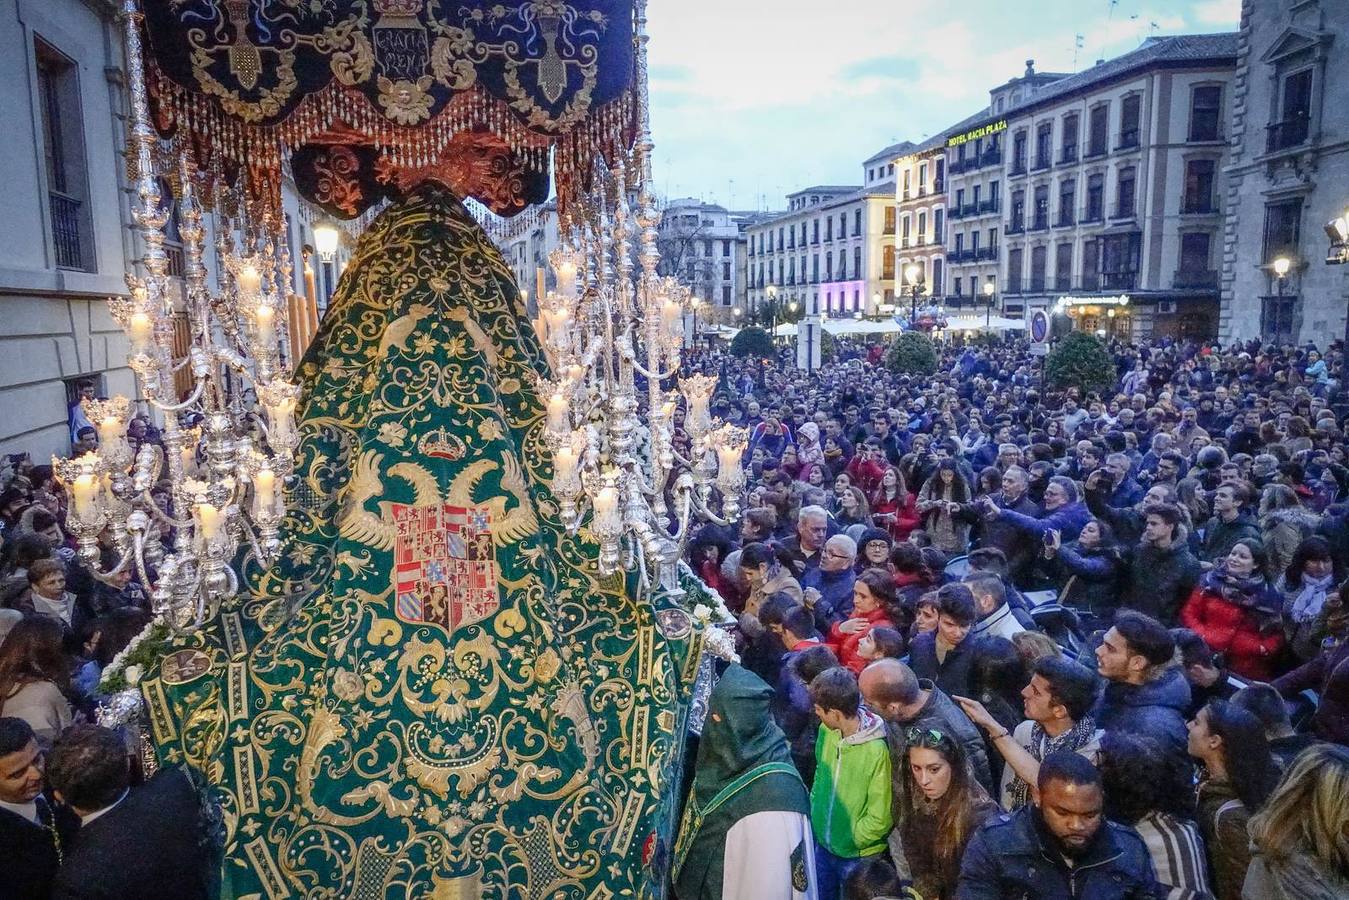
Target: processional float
x,y
420,625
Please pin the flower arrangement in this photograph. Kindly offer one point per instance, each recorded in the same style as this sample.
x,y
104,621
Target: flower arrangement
x,y
710,615
126,668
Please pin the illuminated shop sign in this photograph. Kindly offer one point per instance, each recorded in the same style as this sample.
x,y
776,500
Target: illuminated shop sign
x,y
982,131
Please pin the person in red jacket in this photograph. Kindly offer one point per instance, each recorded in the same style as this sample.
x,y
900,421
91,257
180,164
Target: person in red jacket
x,y
867,466
873,596
893,507
1236,612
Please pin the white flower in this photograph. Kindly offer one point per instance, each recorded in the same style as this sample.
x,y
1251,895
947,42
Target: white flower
x,y
702,613
132,675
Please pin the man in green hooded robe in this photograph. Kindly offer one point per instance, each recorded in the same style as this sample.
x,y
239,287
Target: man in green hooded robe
x,y
746,829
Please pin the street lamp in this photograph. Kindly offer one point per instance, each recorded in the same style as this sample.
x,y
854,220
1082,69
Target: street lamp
x,y
695,303
913,276
325,241
1337,230
772,292
989,289
1281,267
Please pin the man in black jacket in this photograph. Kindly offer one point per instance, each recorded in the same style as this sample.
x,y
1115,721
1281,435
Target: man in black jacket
x,y
1002,534
133,843
32,829
1060,847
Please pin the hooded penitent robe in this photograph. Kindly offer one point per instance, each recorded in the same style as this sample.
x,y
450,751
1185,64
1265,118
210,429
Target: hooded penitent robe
x,y
431,693
746,828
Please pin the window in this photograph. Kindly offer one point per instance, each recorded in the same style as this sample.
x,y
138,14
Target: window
x,y
829,228
725,248
956,286
779,240
960,243
1014,271
1095,198
1099,130
63,145
1018,222
937,267
1278,319
1128,125
1070,128
1044,145
1067,201
1063,267
857,262
803,234
815,268
938,220
871,174
1283,226
1037,268
1124,194
906,222
992,239
922,227
922,179
1198,186
960,198
887,263
1195,249
857,223
974,241
725,271
890,221
829,266
939,183
1091,266
1019,153
815,232
1206,104
907,173
725,295
1295,112
1041,216
1120,255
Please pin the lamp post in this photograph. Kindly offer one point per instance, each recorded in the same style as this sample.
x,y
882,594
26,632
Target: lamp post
x,y
326,239
913,276
1337,230
989,290
772,292
695,303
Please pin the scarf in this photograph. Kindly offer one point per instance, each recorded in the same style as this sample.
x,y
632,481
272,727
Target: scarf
x,y
1247,591
1041,745
1309,601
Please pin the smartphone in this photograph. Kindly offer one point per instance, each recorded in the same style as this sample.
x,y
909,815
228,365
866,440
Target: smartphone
x,y
1048,538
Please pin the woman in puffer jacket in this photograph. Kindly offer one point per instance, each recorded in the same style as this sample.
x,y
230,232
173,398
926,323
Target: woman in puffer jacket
x,y
1236,612
1086,573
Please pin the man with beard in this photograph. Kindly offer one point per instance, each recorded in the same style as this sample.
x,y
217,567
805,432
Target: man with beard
x,y
746,830
1062,846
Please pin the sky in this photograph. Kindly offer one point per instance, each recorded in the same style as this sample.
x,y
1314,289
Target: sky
x,y
753,99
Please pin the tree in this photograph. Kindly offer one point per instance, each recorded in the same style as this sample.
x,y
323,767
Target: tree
x,y
752,341
1080,361
912,353
828,347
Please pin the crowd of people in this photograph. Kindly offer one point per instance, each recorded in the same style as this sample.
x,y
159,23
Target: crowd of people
x,y
996,639
1022,641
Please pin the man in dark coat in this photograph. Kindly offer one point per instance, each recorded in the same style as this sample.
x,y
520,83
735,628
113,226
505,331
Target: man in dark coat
x,y
1161,571
1229,524
1060,847
32,829
945,655
994,531
746,829
133,842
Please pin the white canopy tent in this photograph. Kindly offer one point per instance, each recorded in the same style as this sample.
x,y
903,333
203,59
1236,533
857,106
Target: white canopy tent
x,y
978,323
846,327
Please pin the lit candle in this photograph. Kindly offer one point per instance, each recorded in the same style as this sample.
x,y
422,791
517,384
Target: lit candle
x,y
564,466
698,419
208,519
142,332
264,491
109,432
282,428
86,497
250,281
607,516
557,413
566,279
265,317
575,373
188,456
672,315
728,457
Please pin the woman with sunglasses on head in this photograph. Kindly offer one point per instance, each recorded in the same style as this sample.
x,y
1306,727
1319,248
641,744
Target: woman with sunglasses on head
x,y
943,805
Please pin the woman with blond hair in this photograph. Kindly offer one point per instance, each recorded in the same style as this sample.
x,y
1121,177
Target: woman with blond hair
x,y
1301,836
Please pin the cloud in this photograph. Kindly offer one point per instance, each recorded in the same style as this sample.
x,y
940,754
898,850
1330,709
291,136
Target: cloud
x,y
1226,13
889,68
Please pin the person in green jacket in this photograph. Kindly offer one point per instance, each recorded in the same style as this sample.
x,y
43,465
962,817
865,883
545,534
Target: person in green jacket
x,y
850,798
745,833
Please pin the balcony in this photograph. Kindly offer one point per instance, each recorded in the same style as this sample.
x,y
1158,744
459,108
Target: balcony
x,y
1013,286
66,214
1123,213
1096,150
969,209
922,190
1095,215
954,213
1287,135
1119,281
920,241
1069,155
1197,206
1195,279
1128,140
991,158
905,195
904,241
1037,283
1065,220
985,254
1042,162
1016,226
989,206
1018,168
1040,223
939,186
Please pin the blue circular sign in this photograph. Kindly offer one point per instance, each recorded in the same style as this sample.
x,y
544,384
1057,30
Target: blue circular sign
x,y
1039,326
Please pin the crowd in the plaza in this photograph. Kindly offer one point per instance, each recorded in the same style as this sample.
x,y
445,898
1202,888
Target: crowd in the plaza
x,y
1016,641
996,640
